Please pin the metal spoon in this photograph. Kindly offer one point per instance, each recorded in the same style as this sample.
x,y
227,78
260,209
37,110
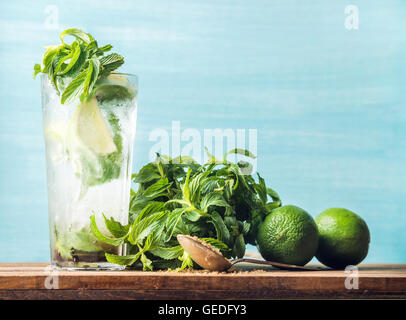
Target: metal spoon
x,y
209,258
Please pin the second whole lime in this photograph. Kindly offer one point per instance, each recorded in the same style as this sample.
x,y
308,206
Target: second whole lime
x,y
344,238
288,235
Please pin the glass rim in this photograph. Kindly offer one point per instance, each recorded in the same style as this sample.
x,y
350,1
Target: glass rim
x,y
132,75
125,74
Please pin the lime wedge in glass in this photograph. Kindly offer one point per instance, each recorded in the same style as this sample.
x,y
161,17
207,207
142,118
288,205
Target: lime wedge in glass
x,y
91,128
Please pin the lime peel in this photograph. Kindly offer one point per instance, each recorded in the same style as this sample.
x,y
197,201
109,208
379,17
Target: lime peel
x,y
91,128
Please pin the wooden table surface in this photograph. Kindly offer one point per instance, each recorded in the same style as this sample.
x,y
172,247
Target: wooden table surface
x,y
38,281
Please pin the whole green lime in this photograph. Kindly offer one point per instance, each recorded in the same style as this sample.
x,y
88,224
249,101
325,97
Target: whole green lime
x,y
288,235
343,238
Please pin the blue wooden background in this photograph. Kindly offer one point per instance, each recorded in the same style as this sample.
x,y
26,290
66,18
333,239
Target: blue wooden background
x,y
328,103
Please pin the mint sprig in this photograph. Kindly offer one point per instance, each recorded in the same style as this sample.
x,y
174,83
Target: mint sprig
x,y
216,202
82,63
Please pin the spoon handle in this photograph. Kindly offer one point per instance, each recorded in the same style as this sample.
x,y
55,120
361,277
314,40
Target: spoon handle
x,y
276,264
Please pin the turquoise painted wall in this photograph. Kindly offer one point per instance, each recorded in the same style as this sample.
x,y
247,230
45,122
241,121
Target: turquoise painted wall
x,y
328,103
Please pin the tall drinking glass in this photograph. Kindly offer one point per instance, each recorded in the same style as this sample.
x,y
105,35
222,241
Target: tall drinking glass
x,y
89,148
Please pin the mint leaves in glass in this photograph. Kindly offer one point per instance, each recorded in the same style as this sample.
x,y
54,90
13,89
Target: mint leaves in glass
x,y
89,118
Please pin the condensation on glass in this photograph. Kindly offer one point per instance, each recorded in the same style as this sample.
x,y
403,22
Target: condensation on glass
x,y
89,151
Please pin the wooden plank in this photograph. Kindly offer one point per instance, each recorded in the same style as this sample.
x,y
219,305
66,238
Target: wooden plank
x,y
28,281
363,267
82,294
23,264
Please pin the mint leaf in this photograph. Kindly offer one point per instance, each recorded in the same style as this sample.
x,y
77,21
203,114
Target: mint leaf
x,y
195,186
261,189
223,233
102,50
78,34
74,56
146,263
37,69
47,60
146,174
213,199
186,188
168,253
239,247
97,233
187,261
91,77
115,227
192,215
173,219
157,189
111,62
81,240
87,80
79,65
243,152
83,83
123,260
75,87
216,244
141,228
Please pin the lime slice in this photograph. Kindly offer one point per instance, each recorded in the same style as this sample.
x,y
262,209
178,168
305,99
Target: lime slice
x,y
91,128
117,79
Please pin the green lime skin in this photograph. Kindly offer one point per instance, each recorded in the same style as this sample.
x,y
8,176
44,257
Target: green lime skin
x,y
288,235
343,238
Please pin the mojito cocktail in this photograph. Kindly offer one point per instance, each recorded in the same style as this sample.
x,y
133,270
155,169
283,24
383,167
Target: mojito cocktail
x,y
89,119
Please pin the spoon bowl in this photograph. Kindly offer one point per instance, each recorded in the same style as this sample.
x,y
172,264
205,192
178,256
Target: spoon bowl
x,y
203,254
210,258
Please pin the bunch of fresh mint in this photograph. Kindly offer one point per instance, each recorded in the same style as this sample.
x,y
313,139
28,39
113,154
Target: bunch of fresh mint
x,y
219,202
82,63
